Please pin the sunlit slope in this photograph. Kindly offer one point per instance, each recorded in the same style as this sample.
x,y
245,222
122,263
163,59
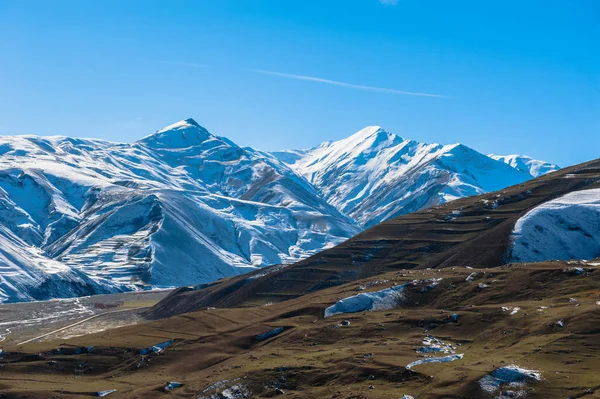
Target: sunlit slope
x,y
475,232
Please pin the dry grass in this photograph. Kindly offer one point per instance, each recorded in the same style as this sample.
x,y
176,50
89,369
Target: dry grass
x,y
315,359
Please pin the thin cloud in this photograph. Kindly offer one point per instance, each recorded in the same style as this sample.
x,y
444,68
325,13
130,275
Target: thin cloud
x,y
348,85
389,2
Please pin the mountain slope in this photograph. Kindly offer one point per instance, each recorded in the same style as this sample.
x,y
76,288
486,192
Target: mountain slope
x,y
375,175
534,167
476,232
562,229
180,206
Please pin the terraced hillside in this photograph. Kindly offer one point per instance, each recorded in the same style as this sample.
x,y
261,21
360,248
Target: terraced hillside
x,y
473,232
539,317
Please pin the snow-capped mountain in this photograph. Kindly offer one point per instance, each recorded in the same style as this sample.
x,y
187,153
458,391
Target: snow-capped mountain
x,y
178,207
534,167
375,175
183,206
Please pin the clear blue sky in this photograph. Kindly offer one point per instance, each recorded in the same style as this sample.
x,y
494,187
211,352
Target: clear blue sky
x,y
516,76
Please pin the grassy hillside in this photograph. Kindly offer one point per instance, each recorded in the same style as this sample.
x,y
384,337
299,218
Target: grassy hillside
x,y
317,357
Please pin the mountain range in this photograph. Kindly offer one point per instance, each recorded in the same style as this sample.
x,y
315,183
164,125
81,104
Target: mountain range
x,y
183,206
375,175
494,296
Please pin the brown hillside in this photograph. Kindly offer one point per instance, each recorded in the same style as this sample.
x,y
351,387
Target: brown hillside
x,y
316,357
473,231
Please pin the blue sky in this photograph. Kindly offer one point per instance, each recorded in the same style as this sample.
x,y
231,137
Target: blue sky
x,y
499,76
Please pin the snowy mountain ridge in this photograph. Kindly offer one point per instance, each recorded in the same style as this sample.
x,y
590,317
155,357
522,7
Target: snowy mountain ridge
x,y
182,206
178,207
375,175
535,167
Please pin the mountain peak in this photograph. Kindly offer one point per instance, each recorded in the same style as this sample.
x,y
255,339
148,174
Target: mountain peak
x,y
182,134
369,131
191,121
370,136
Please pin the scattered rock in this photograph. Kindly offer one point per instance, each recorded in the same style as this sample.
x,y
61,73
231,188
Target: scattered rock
x,y
575,271
102,394
172,385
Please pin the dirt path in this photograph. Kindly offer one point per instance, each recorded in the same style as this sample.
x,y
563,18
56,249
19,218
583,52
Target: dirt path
x,y
78,323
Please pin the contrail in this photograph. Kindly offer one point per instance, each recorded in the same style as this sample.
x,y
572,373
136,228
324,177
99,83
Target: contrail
x,y
348,85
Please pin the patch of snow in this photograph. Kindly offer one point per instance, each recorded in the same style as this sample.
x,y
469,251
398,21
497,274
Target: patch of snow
x,y
368,301
62,309
444,359
593,263
233,391
158,348
102,394
172,385
453,215
236,392
513,311
508,376
431,283
560,323
561,229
